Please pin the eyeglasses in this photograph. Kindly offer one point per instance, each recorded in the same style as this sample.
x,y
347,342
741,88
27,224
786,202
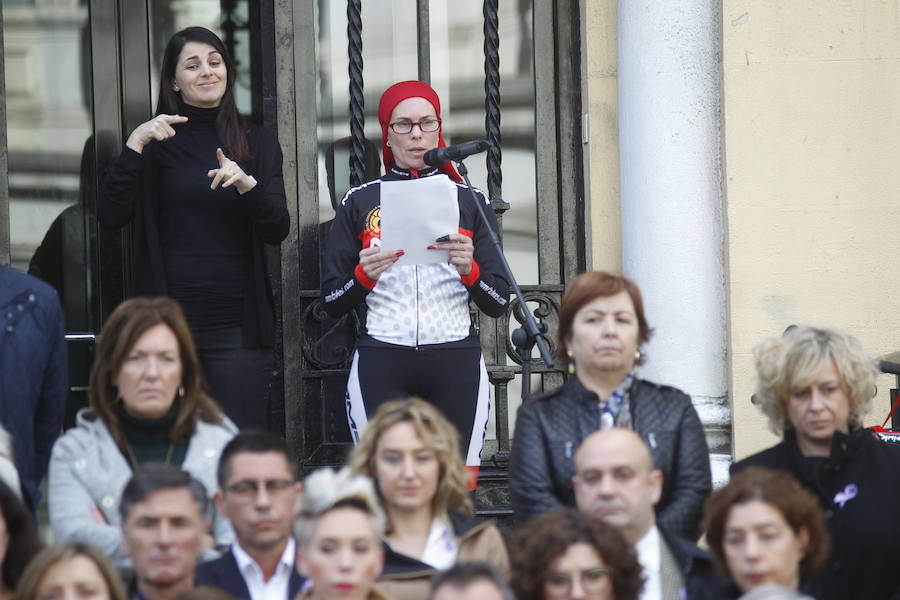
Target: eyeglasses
x,y
247,489
592,581
426,125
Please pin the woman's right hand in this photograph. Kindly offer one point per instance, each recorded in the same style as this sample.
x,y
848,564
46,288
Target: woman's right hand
x,y
376,260
158,128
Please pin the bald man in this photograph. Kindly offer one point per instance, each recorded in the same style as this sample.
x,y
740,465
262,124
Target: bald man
x,y
615,479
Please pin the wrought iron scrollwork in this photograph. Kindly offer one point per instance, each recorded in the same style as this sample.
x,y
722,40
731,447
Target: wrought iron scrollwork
x,y
333,348
547,311
357,102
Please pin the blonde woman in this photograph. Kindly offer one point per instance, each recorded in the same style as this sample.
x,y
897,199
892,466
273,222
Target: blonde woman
x,y
338,529
412,453
815,385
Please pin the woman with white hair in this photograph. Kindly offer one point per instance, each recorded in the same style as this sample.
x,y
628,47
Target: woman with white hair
x,y
338,527
815,386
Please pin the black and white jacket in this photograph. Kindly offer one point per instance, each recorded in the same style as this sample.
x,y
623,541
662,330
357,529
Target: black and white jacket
x,y
411,305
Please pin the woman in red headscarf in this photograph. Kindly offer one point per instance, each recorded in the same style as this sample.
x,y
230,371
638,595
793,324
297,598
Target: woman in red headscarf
x,y
418,339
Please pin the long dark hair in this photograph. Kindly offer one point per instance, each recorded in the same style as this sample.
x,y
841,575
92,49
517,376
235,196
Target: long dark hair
x,y
24,542
229,123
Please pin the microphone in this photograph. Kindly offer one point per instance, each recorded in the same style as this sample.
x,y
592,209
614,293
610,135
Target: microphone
x,y
438,156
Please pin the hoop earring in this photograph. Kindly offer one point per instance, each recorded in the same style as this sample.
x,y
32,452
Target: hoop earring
x,y
388,144
181,392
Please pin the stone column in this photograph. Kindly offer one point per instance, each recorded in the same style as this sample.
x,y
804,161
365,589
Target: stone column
x,y
672,202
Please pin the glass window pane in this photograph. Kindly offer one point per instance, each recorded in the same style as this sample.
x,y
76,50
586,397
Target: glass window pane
x,y
46,57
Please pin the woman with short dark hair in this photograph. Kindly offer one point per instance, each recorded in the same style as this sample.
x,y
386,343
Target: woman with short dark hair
x,y
569,554
602,328
206,191
764,528
148,404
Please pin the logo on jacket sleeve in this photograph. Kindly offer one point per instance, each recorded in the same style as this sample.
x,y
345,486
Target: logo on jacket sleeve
x,y
371,235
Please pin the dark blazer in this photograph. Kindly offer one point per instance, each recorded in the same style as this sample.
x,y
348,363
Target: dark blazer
x,y
223,573
858,487
550,428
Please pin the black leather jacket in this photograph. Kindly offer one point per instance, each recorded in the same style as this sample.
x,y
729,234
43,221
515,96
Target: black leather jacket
x,y
550,428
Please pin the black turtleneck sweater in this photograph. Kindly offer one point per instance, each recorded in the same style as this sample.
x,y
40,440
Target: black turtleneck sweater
x,y
203,247
203,265
149,438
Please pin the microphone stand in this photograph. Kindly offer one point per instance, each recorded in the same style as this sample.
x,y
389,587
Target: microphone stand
x,y
524,337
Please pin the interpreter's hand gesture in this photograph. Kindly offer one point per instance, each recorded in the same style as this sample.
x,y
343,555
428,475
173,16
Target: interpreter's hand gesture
x,y
376,260
230,172
461,251
158,128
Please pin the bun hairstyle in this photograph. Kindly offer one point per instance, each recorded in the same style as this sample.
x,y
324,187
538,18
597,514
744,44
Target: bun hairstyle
x,y
325,490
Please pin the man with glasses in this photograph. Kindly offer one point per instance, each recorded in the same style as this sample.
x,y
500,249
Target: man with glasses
x,y
615,479
258,488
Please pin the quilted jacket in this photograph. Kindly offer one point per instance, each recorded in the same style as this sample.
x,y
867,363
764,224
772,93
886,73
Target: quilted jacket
x,y
550,428
34,373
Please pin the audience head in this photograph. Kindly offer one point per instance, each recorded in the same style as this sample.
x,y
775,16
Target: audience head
x,y
814,381
146,357
338,527
73,570
615,480
163,525
258,490
470,581
764,527
589,298
19,541
409,445
567,554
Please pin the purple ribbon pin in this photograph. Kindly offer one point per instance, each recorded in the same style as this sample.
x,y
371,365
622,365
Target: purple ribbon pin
x,y
846,495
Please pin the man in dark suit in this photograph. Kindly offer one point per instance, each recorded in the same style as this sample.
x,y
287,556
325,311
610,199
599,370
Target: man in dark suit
x,y
615,479
258,488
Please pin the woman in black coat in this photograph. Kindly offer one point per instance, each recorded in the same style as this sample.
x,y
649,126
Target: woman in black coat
x,y
206,193
601,327
815,385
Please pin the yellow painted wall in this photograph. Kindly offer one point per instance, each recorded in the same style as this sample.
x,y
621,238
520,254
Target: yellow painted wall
x,y
602,153
812,174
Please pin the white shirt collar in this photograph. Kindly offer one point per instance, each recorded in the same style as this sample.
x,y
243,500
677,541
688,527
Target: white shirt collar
x,y
278,585
649,555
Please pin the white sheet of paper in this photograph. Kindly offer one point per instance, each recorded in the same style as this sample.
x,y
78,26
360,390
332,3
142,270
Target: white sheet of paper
x,y
414,214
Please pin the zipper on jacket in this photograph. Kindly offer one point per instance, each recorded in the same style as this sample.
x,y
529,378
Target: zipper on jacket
x,y
417,307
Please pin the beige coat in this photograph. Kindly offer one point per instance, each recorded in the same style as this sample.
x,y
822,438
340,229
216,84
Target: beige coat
x,y
481,542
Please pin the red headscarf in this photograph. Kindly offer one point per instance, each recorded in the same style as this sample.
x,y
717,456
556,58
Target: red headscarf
x,y
393,96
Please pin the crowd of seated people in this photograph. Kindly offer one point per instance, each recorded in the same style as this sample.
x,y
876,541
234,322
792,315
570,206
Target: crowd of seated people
x,y
141,491
155,493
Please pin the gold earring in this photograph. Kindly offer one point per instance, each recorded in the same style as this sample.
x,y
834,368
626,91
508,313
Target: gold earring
x,y
637,355
571,362
181,392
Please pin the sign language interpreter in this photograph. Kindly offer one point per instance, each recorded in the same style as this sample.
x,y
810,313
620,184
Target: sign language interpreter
x,y
207,190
